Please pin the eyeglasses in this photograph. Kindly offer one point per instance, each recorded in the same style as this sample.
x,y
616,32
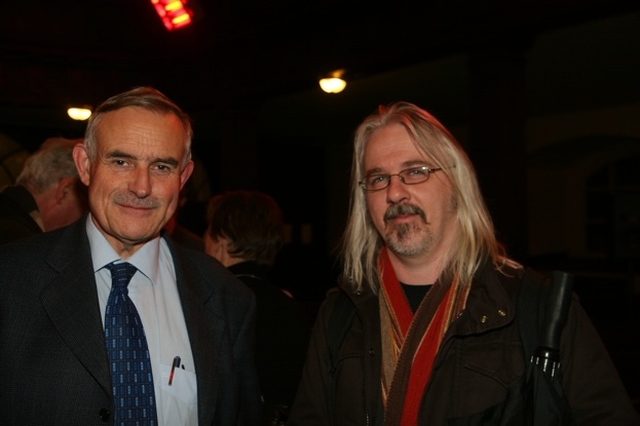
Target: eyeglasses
x,y
410,176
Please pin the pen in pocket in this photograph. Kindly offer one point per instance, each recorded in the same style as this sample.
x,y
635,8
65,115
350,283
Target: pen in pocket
x,y
176,363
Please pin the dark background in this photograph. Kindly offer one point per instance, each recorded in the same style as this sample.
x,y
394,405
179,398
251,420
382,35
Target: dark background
x,y
543,94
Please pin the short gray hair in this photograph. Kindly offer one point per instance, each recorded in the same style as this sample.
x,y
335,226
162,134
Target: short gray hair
x,y
50,163
146,98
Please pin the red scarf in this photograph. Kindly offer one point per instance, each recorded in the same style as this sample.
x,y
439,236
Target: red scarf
x,y
410,344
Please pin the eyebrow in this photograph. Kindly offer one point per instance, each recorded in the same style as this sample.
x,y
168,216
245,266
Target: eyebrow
x,y
171,161
405,165
120,154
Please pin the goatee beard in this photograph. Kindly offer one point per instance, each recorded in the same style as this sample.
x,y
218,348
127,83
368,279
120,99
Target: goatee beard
x,y
398,236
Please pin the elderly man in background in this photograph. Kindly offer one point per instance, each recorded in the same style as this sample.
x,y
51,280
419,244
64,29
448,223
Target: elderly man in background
x,y
47,194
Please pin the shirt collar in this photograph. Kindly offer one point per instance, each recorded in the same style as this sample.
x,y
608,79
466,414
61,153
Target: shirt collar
x,y
146,259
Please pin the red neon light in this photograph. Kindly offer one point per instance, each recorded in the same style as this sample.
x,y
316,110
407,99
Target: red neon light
x,y
173,13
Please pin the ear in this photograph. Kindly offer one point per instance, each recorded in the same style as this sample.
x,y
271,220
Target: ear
x,y
186,173
64,188
214,247
225,244
83,164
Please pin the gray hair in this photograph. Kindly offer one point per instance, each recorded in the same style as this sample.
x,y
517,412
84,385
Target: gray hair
x,y
147,98
474,241
50,163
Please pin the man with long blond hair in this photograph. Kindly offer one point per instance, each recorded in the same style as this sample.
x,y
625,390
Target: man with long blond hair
x,y
434,339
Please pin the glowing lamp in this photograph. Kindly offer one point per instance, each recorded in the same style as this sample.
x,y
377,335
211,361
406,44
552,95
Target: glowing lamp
x,y
79,113
173,13
333,83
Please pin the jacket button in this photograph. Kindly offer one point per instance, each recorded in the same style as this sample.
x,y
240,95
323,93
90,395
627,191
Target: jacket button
x,y
105,414
483,319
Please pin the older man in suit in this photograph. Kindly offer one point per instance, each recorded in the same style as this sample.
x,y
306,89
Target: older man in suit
x,y
70,296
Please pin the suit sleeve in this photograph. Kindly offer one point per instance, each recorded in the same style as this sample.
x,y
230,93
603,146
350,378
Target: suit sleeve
x,y
244,357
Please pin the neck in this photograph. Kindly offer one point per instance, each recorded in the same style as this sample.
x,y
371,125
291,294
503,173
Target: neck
x,y
416,270
228,261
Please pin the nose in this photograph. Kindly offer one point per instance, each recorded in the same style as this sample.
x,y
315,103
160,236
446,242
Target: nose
x,y
397,190
140,183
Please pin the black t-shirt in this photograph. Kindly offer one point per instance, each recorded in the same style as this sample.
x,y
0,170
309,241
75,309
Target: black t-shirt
x,y
415,294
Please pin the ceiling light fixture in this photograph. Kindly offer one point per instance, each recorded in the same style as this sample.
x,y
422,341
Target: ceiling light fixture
x,y
79,113
174,13
334,82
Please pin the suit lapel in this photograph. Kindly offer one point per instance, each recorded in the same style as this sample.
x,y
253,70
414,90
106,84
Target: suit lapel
x,y
71,301
199,318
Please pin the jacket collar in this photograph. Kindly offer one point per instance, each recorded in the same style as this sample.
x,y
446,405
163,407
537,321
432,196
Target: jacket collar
x,y
70,299
490,303
21,196
200,301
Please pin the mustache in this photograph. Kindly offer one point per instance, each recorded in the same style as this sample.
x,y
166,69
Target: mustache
x,y
403,209
131,200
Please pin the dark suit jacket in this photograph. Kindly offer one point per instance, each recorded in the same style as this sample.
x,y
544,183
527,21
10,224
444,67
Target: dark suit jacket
x,y
53,362
16,222
187,238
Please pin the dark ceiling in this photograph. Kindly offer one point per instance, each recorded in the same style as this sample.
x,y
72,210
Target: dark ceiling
x,y
58,52
247,71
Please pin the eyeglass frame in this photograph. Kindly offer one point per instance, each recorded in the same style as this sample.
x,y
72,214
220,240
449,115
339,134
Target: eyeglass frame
x,y
388,177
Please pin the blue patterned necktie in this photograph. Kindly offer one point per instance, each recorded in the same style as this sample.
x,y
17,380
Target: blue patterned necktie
x,y
129,362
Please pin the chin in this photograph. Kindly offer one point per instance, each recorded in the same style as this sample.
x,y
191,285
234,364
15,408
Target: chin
x,y
410,245
139,234
405,250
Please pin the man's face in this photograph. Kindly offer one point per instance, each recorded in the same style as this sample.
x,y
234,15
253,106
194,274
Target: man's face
x,y
415,221
135,180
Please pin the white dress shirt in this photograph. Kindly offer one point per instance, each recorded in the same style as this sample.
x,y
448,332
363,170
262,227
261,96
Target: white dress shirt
x,y
154,291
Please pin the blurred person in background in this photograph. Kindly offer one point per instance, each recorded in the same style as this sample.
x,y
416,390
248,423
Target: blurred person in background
x,y
47,194
245,233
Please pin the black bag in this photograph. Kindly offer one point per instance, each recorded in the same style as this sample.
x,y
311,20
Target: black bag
x,y
545,401
274,415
